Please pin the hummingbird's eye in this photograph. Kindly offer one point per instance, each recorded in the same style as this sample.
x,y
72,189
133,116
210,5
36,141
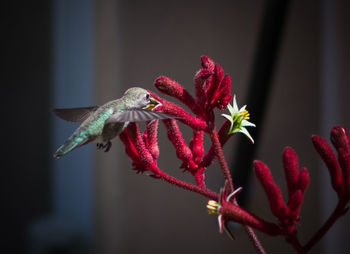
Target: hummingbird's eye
x,y
147,96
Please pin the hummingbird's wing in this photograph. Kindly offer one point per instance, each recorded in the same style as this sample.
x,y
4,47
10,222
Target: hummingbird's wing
x,y
137,115
74,114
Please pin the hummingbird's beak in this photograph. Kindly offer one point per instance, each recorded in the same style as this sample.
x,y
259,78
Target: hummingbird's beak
x,y
153,103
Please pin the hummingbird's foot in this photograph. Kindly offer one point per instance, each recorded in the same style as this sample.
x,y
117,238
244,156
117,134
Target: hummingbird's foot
x,y
108,146
99,145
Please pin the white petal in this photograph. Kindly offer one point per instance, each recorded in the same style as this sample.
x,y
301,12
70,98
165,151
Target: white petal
x,y
220,223
227,117
230,109
247,123
233,194
245,132
242,108
235,107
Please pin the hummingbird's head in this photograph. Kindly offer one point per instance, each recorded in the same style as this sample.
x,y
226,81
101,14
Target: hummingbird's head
x,y
140,98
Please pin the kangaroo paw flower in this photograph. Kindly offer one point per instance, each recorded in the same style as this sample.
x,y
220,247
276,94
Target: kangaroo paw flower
x,y
238,119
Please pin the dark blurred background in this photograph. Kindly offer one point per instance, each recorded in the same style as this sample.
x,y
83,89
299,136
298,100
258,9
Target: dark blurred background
x,y
61,53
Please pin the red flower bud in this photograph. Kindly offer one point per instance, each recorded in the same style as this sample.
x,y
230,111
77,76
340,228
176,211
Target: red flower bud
x,y
130,148
340,138
174,89
272,191
224,95
199,83
344,160
291,169
182,151
144,155
303,180
196,145
213,85
152,144
294,205
207,63
326,153
183,116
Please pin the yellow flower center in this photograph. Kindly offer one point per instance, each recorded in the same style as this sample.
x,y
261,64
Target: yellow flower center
x,y
244,114
213,207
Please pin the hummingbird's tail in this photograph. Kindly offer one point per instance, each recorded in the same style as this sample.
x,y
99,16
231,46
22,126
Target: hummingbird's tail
x,y
71,143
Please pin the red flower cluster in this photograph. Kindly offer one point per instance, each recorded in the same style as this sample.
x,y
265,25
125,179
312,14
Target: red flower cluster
x,y
339,170
297,181
212,90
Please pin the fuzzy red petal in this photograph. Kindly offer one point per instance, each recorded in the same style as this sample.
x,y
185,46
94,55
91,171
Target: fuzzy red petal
x,y
294,205
199,82
291,169
174,89
344,160
207,63
303,180
326,153
340,138
183,152
196,145
152,144
272,191
145,156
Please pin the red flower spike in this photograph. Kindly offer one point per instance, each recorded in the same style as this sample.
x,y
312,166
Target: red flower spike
x,y
303,180
213,86
272,191
196,145
152,144
130,148
340,138
224,96
207,63
344,160
199,83
294,205
326,153
182,151
291,169
174,89
145,157
183,116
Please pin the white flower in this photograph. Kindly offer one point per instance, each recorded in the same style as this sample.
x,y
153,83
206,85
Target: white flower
x,y
238,119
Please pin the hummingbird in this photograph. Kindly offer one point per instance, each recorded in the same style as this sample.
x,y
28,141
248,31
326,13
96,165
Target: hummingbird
x,y
102,124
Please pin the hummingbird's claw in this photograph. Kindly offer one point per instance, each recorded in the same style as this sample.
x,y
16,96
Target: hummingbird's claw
x,y
108,146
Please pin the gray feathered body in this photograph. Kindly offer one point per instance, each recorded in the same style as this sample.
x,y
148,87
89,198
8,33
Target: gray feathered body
x,y
101,124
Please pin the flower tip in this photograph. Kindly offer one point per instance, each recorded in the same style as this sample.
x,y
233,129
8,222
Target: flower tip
x,y
207,63
203,74
340,138
258,164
